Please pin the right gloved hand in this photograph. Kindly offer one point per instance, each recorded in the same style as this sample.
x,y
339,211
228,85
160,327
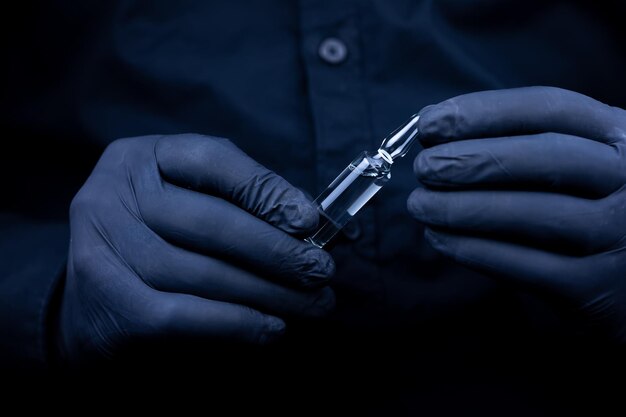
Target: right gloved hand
x,y
186,236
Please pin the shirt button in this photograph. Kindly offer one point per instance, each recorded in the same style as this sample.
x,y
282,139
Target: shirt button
x,y
333,51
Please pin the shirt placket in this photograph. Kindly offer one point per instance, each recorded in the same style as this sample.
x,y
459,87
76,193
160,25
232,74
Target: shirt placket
x,y
332,59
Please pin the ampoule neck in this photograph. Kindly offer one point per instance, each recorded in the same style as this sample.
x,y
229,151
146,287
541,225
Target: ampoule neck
x,y
398,143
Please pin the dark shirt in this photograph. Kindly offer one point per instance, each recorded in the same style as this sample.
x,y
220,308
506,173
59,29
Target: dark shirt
x,y
265,75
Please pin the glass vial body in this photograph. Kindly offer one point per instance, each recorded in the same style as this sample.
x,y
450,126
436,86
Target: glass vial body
x,y
347,194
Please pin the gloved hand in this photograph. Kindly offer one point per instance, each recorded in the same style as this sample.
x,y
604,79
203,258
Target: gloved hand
x,y
186,236
528,185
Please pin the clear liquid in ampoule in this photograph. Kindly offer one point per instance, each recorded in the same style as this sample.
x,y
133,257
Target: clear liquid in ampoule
x,y
347,194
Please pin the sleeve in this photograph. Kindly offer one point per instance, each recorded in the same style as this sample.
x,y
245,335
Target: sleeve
x,y
32,262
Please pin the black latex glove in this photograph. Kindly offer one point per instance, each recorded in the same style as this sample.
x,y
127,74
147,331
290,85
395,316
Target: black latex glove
x,y
183,237
528,185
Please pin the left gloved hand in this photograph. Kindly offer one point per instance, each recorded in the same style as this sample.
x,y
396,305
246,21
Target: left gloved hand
x,y
528,185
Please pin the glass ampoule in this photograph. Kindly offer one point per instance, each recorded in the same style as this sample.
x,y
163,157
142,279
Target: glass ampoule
x,y
359,182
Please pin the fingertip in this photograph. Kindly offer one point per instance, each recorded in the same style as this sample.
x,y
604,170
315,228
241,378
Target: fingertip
x,y
425,110
327,264
421,165
437,240
324,264
275,328
319,268
289,209
451,164
302,216
415,205
440,123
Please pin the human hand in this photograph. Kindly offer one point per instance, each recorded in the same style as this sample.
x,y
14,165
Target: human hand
x,y
528,185
186,236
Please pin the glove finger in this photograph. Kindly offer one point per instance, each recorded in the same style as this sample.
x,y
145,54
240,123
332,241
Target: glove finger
x,y
521,111
524,266
114,306
546,161
216,166
186,316
572,224
218,228
171,269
